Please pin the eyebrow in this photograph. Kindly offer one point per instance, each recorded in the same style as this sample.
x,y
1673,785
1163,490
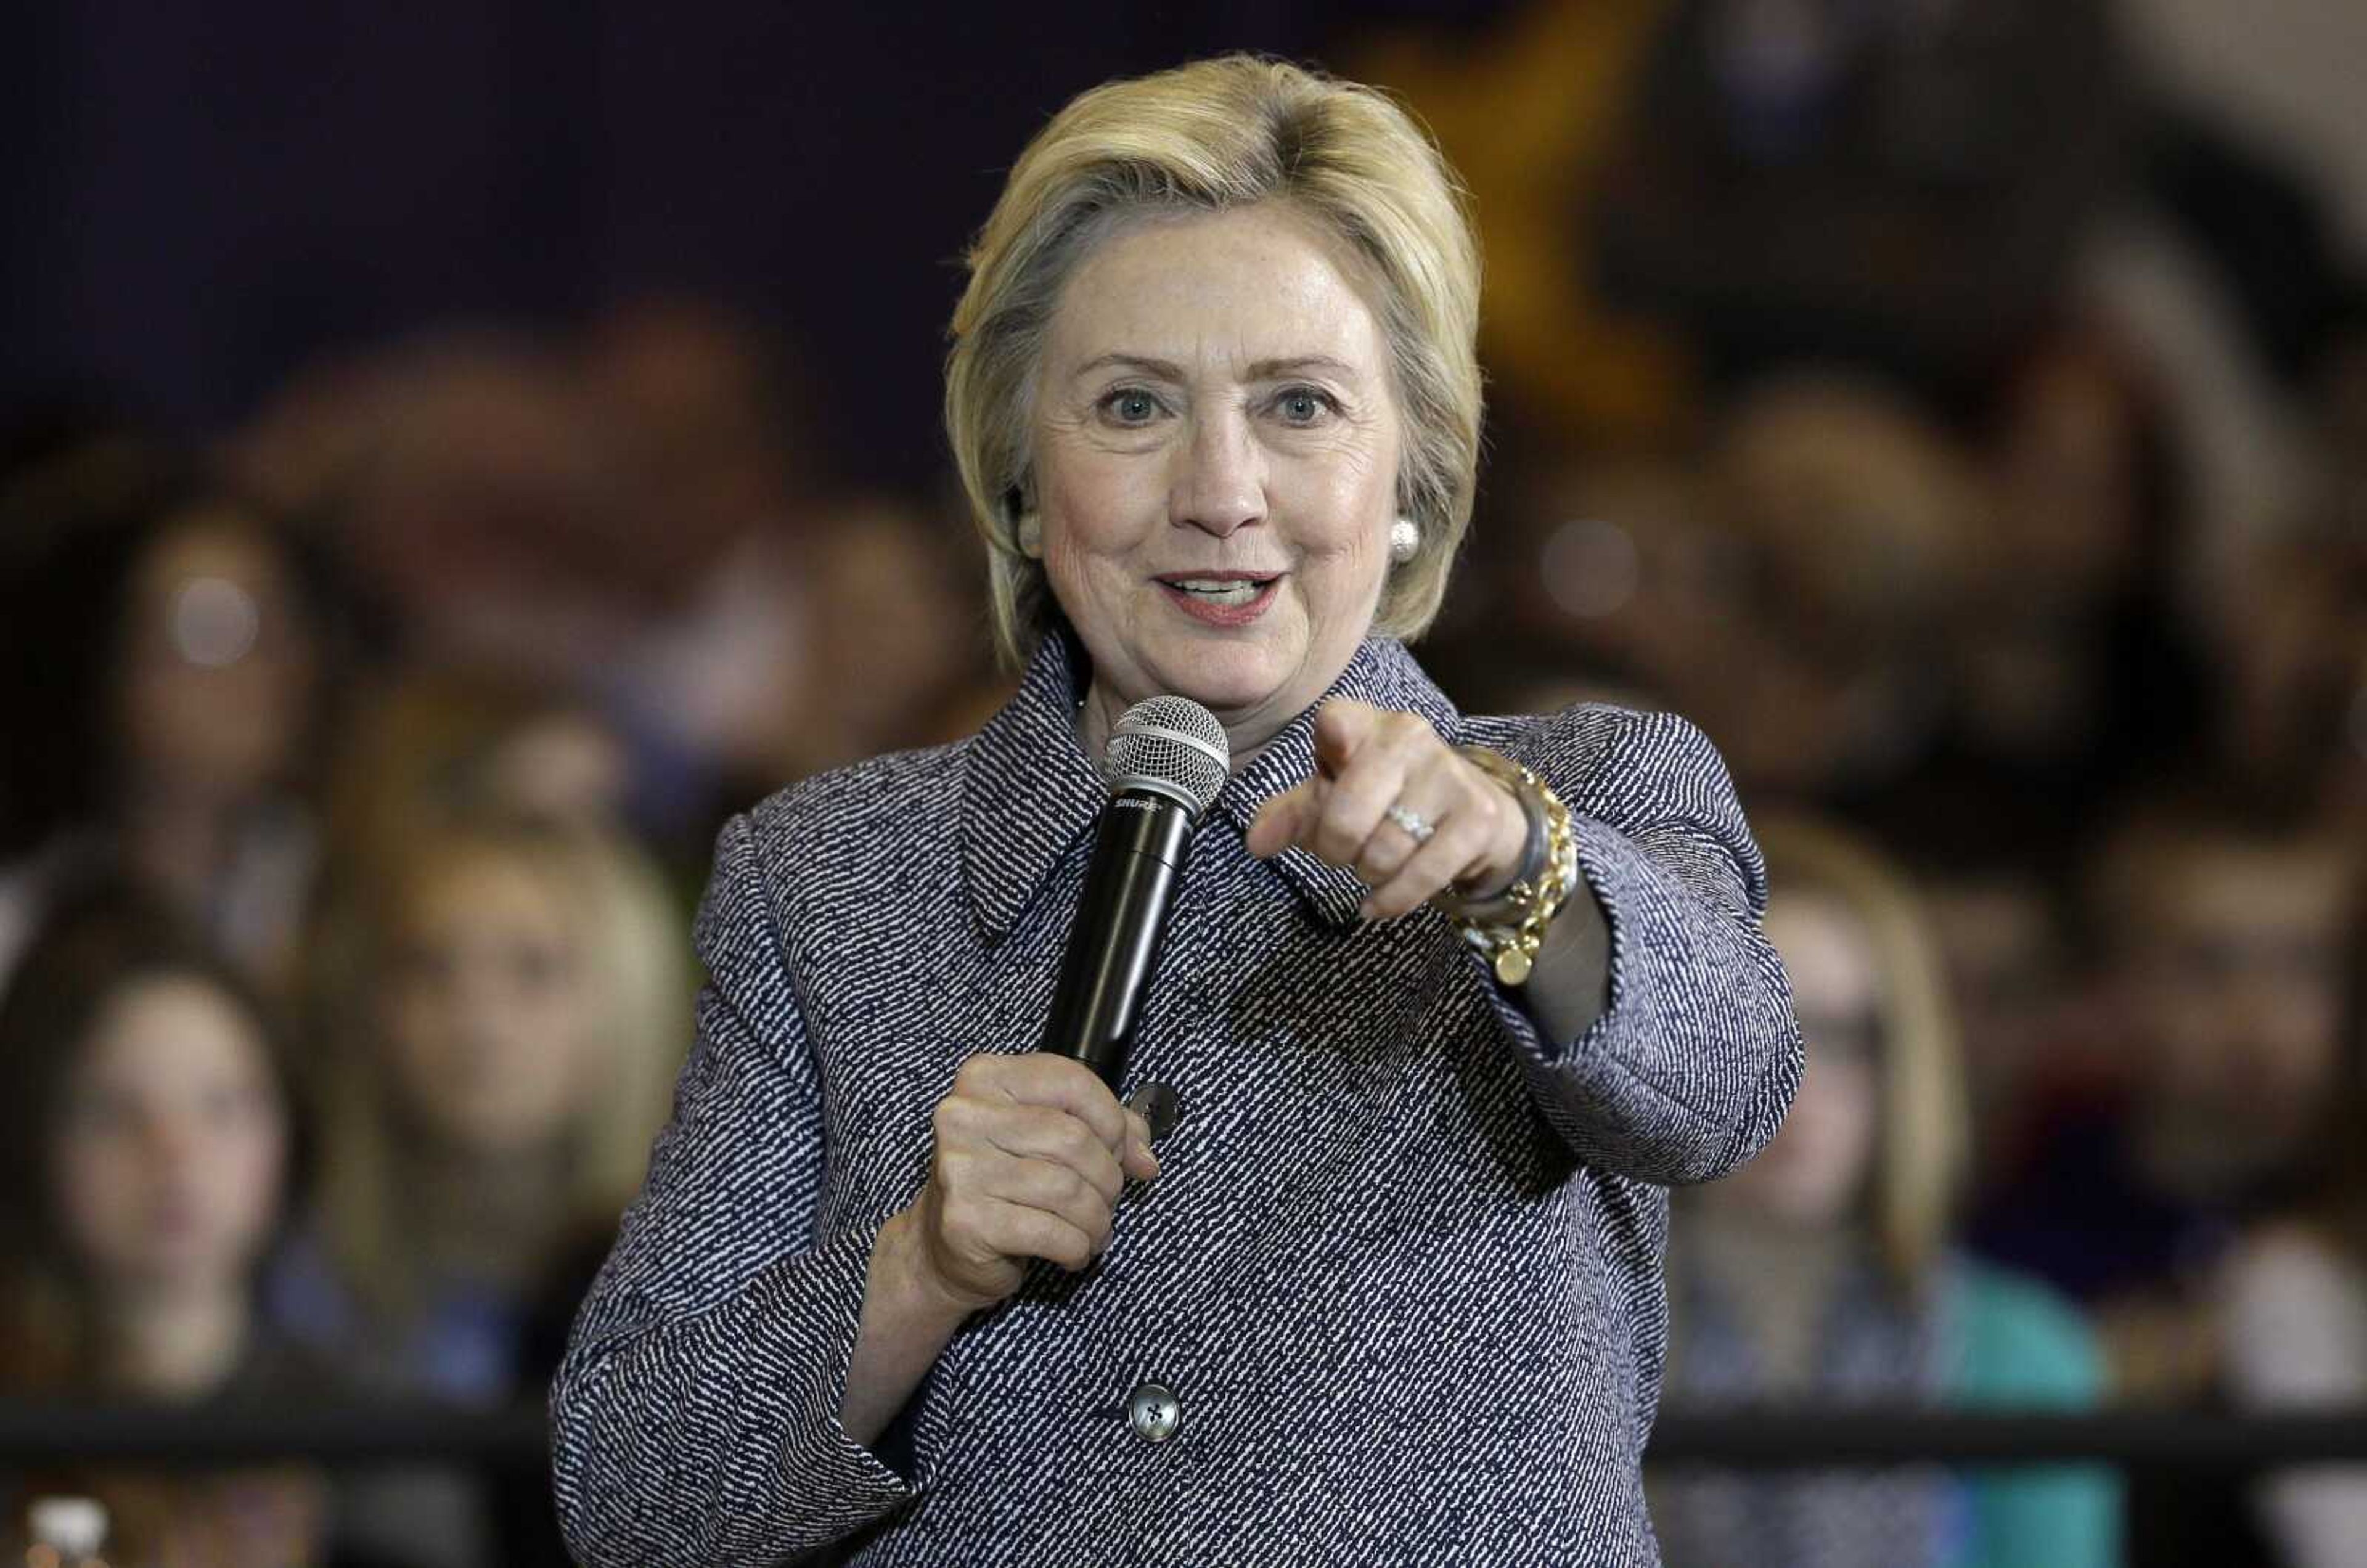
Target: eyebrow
x,y
1262,370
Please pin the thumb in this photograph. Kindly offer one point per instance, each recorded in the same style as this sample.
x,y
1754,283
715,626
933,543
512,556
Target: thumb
x,y
1139,1162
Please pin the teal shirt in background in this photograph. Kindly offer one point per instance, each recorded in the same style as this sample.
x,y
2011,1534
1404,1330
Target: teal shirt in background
x,y
1977,1337
2018,1346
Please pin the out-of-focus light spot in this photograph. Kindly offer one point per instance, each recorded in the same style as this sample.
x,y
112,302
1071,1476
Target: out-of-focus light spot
x,y
65,1528
215,622
1591,568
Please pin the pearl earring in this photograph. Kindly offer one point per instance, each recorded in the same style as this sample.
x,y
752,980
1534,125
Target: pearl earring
x,y
1029,533
1405,540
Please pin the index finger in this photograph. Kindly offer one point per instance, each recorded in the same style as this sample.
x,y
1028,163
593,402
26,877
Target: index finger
x,y
1061,1083
1342,727
1284,819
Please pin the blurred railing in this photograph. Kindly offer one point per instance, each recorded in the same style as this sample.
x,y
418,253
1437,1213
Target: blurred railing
x,y
1769,1439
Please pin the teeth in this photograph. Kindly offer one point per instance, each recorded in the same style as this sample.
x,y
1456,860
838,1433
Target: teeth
x,y
1235,593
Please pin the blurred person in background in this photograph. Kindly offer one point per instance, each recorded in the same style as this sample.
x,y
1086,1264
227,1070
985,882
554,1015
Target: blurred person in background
x,y
2289,669
1902,186
2220,928
468,478
1857,515
499,1004
717,683
499,1021
898,644
424,741
1825,1271
1791,586
2070,672
2219,924
2293,1299
152,1148
1608,565
166,653
2026,1017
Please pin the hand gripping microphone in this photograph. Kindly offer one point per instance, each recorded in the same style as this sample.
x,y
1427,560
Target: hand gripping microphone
x,y
1165,762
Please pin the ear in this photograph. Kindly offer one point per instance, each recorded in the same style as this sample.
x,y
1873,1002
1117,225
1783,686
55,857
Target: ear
x,y
1027,525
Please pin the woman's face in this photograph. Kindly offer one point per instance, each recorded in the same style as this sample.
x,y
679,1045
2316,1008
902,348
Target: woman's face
x,y
488,1015
1215,446
171,1141
217,666
1813,1171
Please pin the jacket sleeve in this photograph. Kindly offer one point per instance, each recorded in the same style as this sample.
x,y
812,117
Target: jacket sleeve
x,y
695,1415
1691,1066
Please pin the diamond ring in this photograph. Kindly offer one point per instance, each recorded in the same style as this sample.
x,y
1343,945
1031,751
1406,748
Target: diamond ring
x,y
1417,827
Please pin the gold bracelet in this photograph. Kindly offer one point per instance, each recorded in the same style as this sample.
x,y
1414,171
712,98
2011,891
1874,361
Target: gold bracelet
x,y
1511,940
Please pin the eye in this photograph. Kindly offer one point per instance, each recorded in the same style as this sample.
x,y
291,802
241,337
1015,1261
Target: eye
x,y
97,1114
424,964
1304,405
538,966
1130,405
231,1105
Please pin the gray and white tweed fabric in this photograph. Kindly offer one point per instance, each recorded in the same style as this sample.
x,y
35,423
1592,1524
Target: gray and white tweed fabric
x,y
1401,1269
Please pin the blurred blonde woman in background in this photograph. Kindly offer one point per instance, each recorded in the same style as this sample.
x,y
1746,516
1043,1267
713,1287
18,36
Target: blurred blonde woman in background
x,y
1825,1271
503,1003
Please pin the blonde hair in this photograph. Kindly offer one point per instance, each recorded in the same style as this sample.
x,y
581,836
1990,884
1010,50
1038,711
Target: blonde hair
x,y
629,932
1923,1125
1210,136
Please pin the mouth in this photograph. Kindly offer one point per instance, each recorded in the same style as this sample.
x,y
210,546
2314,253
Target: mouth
x,y
1220,598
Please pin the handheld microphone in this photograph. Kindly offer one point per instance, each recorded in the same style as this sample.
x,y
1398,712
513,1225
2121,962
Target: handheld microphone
x,y
1165,762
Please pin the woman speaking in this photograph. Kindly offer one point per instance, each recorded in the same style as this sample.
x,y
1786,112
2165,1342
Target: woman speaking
x,y
1444,1003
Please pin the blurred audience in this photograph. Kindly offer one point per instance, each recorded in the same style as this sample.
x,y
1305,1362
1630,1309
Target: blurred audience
x,y
1791,588
622,515
1828,1271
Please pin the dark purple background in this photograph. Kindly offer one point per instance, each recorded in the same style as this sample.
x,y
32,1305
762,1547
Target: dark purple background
x,y
199,199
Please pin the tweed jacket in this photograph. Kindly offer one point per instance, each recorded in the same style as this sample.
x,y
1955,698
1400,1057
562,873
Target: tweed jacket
x,y
1401,1270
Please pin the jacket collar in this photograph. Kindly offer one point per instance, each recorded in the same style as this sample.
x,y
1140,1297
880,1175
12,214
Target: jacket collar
x,y
1032,794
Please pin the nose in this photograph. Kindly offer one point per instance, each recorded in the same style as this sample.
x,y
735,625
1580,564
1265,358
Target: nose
x,y
174,1145
1221,483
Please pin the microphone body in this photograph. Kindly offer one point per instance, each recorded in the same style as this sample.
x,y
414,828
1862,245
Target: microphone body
x,y
1166,759
1137,867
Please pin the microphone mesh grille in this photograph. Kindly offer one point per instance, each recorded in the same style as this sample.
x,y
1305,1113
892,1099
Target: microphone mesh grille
x,y
1169,744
